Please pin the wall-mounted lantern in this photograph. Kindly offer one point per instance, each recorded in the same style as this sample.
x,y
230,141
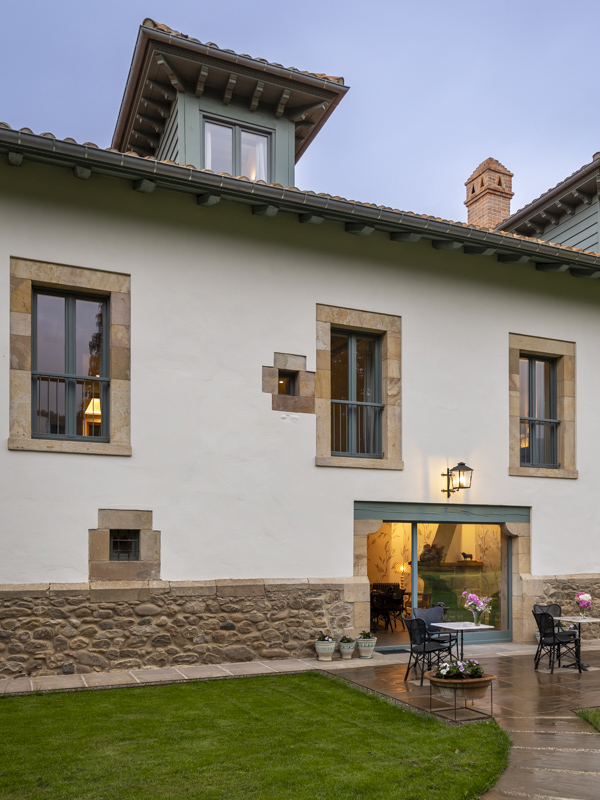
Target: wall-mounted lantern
x,y
457,478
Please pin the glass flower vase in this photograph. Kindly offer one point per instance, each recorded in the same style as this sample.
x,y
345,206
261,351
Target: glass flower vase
x,y
477,617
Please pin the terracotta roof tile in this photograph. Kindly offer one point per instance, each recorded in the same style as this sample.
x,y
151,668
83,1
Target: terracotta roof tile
x,y
150,23
357,203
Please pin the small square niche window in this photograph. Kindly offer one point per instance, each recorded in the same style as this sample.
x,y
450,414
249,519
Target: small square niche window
x,y
286,383
124,545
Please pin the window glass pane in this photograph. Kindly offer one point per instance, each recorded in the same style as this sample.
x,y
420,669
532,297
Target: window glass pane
x,y
88,337
340,434
50,333
88,415
524,387
366,384
49,402
339,366
218,147
542,389
254,156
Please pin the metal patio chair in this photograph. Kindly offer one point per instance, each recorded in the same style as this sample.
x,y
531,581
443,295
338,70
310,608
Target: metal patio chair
x,y
555,644
422,649
432,615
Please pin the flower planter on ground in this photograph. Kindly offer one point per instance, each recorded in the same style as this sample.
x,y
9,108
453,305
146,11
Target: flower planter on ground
x,y
325,649
366,645
347,648
464,688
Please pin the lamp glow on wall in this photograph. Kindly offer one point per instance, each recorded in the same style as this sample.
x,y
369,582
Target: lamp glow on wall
x,y
401,569
457,478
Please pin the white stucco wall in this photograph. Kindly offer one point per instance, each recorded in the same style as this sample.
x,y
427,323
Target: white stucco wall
x,y
232,484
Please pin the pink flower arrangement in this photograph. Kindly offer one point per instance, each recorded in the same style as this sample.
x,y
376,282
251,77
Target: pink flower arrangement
x,y
474,603
584,601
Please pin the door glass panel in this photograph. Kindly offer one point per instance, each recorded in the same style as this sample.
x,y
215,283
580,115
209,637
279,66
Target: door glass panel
x,y
254,155
366,385
454,558
542,390
88,337
218,147
50,342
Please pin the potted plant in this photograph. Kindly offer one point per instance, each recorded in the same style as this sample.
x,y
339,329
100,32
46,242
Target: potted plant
x,y
347,645
324,645
366,644
478,606
463,679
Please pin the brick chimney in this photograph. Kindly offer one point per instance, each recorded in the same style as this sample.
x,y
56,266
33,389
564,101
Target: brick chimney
x,y
489,190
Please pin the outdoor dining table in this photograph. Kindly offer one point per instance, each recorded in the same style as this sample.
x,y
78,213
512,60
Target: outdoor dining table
x,y
461,628
577,620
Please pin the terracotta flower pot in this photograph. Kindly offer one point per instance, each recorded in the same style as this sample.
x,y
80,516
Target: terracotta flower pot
x,y
467,688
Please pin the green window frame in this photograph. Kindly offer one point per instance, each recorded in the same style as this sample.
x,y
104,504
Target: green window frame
x,y
67,405
539,432
237,129
356,425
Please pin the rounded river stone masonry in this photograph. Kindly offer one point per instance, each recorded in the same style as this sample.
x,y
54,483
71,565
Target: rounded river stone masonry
x,y
83,630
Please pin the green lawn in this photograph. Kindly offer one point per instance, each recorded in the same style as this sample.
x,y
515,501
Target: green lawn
x,y
592,715
292,737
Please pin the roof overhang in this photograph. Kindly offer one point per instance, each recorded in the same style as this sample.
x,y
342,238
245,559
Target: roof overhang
x,y
563,200
146,174
166,63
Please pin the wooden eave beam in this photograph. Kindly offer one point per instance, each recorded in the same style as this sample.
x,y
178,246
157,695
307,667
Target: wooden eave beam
x,y
166,91
550,217
446,244
535,228
285,96
358,229
582,196
258,90
510,258
82,173
265,210
14,159
551,266
300,114
208,199
201,82
157,125
564,208
144,136
310,219
228,94
162,109
578,272
477,250
401,236
144,186
176,82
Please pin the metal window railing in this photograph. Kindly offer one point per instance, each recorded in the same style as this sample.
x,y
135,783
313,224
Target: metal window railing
x,y
356,429
74,406
539,442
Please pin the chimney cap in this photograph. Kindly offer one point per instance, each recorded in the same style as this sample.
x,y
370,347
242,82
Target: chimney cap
x,y
489,164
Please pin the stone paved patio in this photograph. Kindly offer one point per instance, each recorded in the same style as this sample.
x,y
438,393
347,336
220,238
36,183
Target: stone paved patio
x,y
555,754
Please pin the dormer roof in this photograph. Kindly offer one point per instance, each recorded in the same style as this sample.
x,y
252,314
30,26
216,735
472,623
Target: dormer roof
x,y
166,62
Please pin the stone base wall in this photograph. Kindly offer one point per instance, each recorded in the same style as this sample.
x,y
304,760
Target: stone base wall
x,y
53,629
529,589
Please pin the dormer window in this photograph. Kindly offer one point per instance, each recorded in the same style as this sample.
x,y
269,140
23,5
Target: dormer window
x,y
237,150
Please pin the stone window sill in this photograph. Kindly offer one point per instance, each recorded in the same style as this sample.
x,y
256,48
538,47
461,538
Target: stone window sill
x,y
358,463
541,472
63,446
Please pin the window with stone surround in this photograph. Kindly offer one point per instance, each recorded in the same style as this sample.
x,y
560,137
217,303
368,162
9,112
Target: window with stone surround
x,y
53,407
367,369
124,547
542,407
